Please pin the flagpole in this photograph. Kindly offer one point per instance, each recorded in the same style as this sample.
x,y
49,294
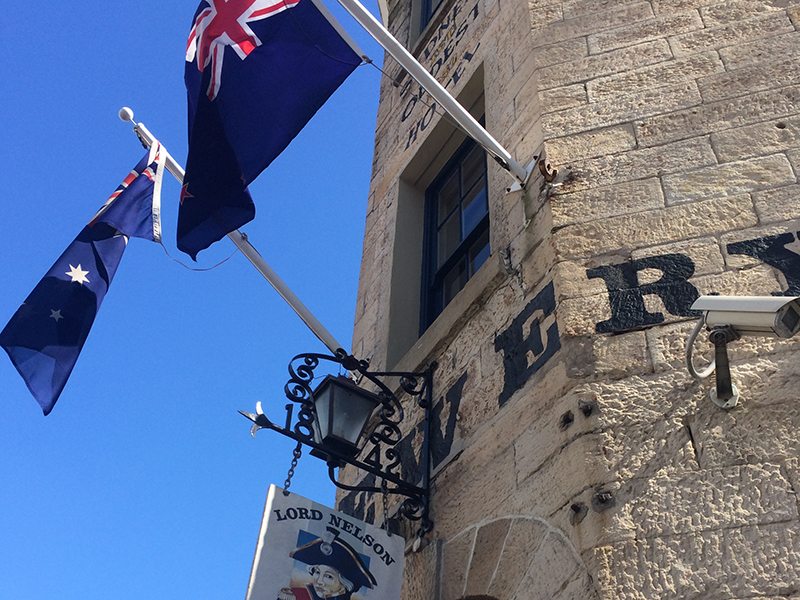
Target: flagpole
x,y
406,60
244,245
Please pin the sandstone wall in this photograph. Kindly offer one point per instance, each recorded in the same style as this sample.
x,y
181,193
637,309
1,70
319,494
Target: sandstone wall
x,y
576,458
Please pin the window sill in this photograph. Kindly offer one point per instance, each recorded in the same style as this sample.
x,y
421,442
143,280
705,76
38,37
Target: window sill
x,y
455,315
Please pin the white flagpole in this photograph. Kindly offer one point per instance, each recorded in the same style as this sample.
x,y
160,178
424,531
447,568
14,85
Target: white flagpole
x,y
241,241
465,120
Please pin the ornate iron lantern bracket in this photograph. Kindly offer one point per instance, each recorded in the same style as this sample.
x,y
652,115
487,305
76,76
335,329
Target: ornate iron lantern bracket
x,y
379,455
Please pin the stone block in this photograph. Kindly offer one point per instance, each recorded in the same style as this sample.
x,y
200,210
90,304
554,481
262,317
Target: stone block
x,y
760,139
749,434
760,50
587,24
711,499
661,74
543,14
473,488
562,97
421,574
579,8
705,254
756,281
571,281
729,179
642,450
600,142
456,555
607,201
794,14
738,10
528,105
489,543
714,565
617,61
554,428
551,568
752,78
717,116
791,467
654,227
666,7
543,488
635,164
778,206
728,35
536,266
794,158
523,540
646,30
579,317
556,54
607,356
638,105
581,587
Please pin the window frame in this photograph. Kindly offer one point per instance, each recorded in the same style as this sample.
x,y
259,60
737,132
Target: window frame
x,y
432,289
427,12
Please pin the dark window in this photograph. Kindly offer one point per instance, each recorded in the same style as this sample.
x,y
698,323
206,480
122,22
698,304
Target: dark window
x,y
456,229
429,8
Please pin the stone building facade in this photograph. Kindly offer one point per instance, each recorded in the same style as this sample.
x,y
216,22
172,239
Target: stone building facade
x,y
574,456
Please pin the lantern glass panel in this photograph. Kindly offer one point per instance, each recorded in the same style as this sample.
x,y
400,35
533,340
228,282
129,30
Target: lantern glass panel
x,y
343,410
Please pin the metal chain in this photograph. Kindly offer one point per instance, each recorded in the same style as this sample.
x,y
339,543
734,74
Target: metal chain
x,y
296,454
384,494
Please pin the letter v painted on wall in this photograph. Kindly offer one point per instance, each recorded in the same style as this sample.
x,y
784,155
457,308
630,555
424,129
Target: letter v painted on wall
x,y
445,445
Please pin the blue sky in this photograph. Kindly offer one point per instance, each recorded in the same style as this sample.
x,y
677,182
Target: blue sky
x,y
144,482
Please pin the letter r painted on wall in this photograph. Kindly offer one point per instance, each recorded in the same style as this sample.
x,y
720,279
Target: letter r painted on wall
x,y
626,295
529,342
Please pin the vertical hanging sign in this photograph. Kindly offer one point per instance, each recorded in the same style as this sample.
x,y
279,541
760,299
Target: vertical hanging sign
x,y
307,551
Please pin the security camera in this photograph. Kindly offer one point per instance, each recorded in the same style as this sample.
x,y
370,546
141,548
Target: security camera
x,y
752,315
731,317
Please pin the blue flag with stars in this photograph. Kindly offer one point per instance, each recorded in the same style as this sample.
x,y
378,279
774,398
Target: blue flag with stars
x,y
46,334
256,72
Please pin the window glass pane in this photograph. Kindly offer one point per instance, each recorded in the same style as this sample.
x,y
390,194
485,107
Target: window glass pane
x,y
475,208
454,280
428,8
448,198
479,252
449,238
473,167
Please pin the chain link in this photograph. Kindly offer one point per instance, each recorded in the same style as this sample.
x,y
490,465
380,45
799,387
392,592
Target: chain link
x,y
384,494
296,454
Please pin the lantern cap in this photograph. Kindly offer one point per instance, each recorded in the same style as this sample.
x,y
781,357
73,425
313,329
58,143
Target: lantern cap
x,y
343,381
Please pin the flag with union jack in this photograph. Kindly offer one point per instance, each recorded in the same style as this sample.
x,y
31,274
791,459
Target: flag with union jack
x,y
46,335
256,72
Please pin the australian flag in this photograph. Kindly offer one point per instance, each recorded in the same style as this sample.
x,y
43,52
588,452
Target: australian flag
x,y
46,335
256,72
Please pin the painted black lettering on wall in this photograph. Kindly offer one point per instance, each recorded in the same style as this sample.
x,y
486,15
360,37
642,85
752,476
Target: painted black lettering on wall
x,y
443,433
355,503
529,342
773,250
626,296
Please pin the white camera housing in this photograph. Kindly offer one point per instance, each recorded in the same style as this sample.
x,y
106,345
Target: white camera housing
x,y
777,316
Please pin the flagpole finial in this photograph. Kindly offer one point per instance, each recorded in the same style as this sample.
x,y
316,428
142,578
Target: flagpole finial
x,y
126,114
